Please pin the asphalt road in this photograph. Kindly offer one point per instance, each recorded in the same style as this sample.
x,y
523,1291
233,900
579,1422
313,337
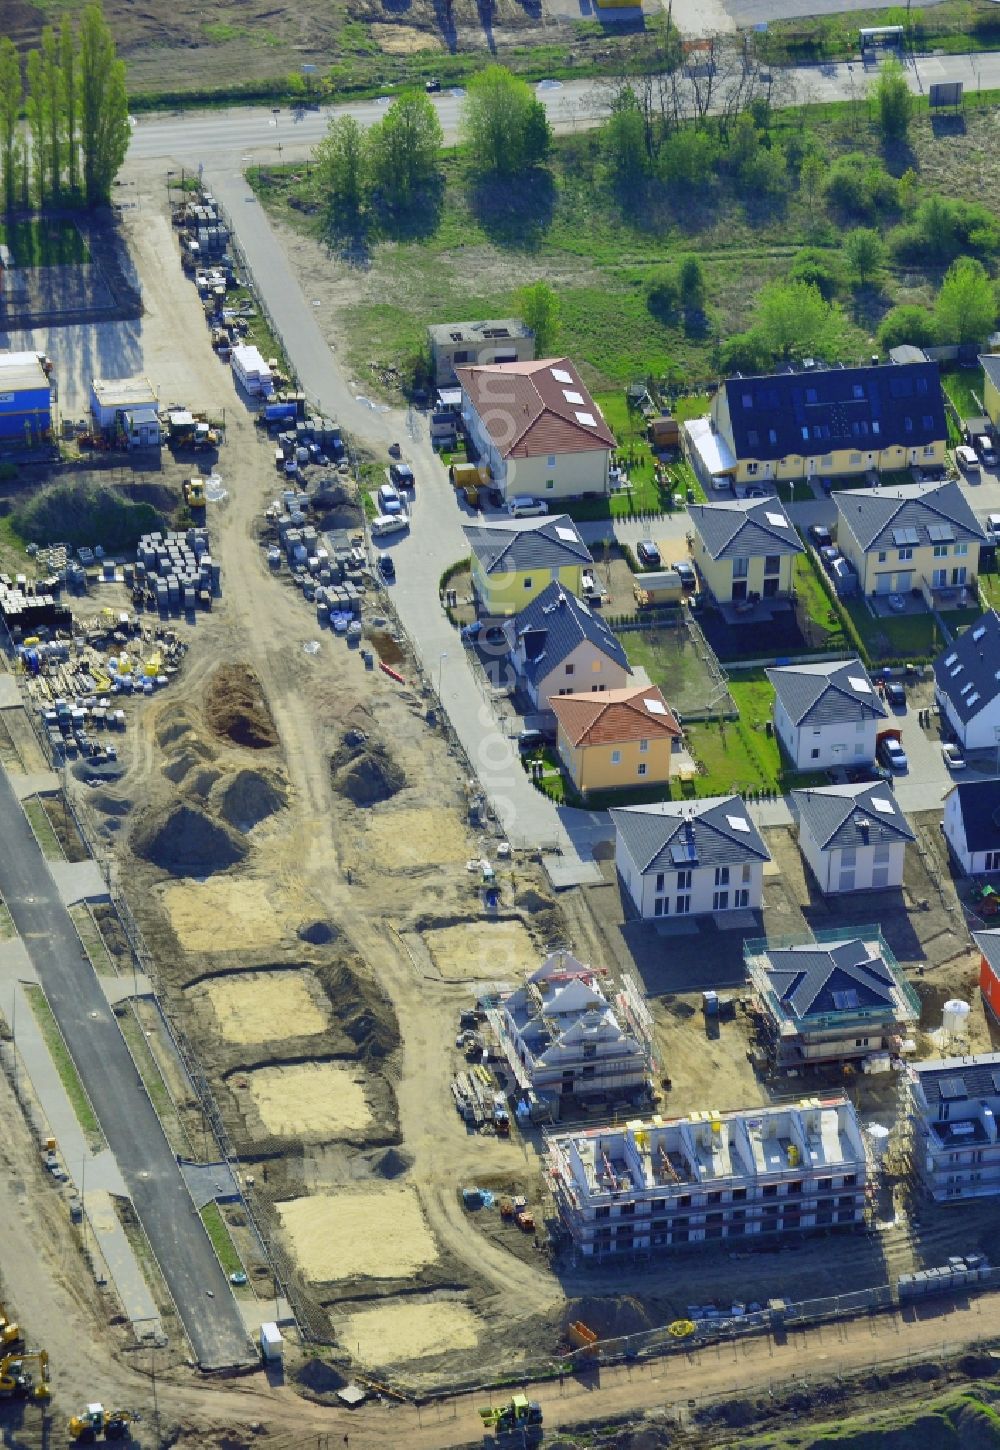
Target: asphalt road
x,y
194,1276
248,134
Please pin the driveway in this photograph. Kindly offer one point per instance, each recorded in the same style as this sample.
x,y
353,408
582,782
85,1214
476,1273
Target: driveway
x,y
204,1300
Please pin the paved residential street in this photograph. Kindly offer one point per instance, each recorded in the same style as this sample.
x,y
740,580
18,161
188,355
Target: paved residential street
x,y
178,1239
253,133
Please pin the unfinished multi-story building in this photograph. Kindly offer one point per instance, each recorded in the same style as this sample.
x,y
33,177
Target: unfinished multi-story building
x,y
840,998
658,1184
561,1036
954,1105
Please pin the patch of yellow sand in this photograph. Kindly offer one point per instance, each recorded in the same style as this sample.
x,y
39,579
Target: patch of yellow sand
x,y
409,838
378,1233
403,39
407,1330
481,951
267,1006
212,916
310,1099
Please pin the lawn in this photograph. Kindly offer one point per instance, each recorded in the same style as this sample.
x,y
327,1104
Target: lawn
x,y
65,1066
816,603
93,942
964,387
44,242
222,1243
989,584
905,637
40,824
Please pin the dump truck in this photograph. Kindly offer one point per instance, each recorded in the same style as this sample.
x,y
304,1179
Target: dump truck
x,y
194,493
95,1421
519,1416
17,1381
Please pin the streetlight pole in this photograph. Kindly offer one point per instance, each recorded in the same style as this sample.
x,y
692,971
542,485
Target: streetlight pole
x,y
441,659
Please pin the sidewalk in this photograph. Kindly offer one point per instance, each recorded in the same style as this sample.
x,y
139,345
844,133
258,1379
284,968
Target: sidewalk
x,y
95,1175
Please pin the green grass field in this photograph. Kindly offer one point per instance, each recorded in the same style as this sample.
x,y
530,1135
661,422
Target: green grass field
x,y
908,637
964,387
42,827
222,1242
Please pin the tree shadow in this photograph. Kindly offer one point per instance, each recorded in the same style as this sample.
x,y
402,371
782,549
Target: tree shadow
x,y
485,9
444,14
515,214
899,156
868,307
415,222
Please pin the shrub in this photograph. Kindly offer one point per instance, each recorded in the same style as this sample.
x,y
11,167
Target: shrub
x,y
820,268
907,323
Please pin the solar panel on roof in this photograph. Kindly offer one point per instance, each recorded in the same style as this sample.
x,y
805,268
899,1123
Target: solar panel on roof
x,y
952,1088
683,853
940,533
845,1001
904,537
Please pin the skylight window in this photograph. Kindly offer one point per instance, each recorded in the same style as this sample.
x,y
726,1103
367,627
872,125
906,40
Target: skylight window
x,y
979,631
561,375
858,685
655,707
776,519
571,396
950,660
587,419
966,688
564,533
972,699
881,804
738,823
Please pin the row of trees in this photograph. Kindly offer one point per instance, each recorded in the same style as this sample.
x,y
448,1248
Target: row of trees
x,y
73,94
395,163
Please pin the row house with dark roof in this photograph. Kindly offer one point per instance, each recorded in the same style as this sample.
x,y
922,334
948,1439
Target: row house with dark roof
x,y
954,1106
912,536
745,549
690,858
560,646
514,560
967,684
822,423
840,998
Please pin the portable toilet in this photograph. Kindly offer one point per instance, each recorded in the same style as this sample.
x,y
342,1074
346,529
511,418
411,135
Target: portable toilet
x,y
270,1343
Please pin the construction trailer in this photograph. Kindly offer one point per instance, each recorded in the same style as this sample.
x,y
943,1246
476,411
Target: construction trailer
x,y
25,401
125,411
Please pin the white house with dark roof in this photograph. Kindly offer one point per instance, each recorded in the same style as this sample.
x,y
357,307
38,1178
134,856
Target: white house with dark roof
x,y
972,825
559,646
954,1107
537,428
688,858
835,1000
744,548
967,684
513,560
826,714
853,837
910,536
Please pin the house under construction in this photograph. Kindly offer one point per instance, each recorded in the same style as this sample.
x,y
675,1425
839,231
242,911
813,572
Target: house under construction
x,y
652,1185
562,1037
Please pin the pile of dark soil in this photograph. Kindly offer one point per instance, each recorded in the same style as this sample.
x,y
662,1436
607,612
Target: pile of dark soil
x,y
108,804
337,507
365,772
320,1378
609,1316
193,754
390,1163
184,840
202,781
81,512
316,933
531,900
236,709
363,1011
249,797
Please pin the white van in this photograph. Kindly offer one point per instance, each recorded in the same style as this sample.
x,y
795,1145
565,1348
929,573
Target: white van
x,y
388,524
526,507
967,460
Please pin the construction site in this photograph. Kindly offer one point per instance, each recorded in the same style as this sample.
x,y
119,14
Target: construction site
x,y
358,1009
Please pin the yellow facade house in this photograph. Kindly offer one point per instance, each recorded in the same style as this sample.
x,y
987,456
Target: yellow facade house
x,y
744,549
514,560
820,423
616,740
915,536
990,364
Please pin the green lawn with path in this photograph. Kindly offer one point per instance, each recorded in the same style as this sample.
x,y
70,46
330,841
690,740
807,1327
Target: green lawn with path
x,y
64,1065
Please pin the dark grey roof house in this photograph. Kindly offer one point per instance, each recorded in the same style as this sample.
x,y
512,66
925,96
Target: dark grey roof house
x,y
745,527
852,836
833,1001
560,646
826,714
967,683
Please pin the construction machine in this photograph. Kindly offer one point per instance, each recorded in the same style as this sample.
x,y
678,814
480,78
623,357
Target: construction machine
x,y
17,1381
519,1416
194,493
95,1421
10,1333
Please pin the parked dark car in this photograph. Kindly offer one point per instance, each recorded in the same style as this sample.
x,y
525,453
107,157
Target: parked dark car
x,y
529,740
401,474
820,536
895,694
386,567
685,573
648,554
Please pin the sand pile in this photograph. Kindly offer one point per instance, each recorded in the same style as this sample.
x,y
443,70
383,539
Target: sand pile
x,y
254,1007
249,797
363,1011
184,840
235,708
315,1100
391,1333
365,772
202,781
377,1233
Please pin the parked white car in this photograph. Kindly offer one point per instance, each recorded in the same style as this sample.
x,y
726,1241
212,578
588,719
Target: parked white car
x,y
388,524
523,506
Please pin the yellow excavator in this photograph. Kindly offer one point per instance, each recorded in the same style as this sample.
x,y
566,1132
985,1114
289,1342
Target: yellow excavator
x,y
17,1381
10,1333
95,1421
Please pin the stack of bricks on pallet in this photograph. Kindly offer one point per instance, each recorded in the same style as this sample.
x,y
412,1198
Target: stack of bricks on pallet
x,y
27,606
178,569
